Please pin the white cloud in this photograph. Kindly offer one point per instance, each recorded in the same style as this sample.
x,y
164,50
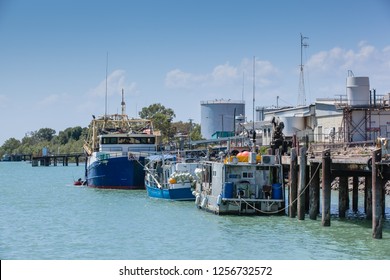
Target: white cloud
x,y
326,71
340,60
54,99
222,75
179,79
116,81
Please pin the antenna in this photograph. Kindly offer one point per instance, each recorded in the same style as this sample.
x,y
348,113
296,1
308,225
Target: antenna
x,y
105,106
243,85
253,113
254,84
301,91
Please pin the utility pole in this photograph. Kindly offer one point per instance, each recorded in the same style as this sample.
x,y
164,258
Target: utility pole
x,y
189,139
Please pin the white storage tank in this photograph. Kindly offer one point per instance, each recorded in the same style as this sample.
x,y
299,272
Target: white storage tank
x,y
220,115
292,124
358,91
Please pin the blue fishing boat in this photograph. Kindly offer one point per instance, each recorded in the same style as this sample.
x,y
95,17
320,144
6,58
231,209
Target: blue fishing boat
x,y
116,150
166,178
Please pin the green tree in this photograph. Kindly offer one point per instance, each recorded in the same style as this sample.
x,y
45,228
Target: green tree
x,y
76,133
196,134
161,117
45,134
184,128
10,146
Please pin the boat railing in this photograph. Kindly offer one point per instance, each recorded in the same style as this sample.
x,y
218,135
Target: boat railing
x,y
151,175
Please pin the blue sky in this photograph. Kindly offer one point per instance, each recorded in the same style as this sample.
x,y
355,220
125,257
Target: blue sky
x,y
179,53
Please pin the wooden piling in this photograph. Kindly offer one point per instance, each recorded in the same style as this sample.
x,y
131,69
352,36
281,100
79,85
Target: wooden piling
x,y
368,198
314,191
302,183
355,193
343,196
377,211
326,187
307,191
292,205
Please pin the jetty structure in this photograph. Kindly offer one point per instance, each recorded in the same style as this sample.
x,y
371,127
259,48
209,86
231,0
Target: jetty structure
x,y
349,144
339,144
55,159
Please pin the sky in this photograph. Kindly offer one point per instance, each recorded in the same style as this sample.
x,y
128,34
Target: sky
x,y
56,56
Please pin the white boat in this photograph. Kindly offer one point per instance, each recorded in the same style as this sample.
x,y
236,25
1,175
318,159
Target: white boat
x,y
166,178
239,187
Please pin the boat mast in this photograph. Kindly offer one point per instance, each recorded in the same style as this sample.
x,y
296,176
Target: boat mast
x,y
105,103
253,105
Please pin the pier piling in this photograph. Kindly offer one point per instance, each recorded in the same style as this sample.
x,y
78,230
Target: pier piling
x,y
377,211
302,183
293,188
343,196
306,189
368,198
355,193
326,187
314,191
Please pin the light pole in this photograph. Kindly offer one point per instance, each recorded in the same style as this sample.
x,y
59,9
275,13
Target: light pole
x,y
190,133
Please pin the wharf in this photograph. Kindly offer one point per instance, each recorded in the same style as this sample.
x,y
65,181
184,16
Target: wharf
x,y
47,160
306,188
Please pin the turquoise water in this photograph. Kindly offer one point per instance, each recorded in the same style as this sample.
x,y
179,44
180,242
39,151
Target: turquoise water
x,y
43,216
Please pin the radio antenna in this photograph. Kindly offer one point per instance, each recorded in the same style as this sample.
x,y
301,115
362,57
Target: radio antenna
x,y
301,90
105,103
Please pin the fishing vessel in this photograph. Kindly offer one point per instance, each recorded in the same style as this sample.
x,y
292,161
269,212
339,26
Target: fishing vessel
x,y
166,178
116,150
239,186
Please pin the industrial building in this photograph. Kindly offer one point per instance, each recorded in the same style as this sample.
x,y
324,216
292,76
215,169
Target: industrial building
x,y
360,116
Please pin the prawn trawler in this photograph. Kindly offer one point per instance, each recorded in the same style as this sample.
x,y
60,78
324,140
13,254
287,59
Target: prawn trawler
x,y
116,150
251,187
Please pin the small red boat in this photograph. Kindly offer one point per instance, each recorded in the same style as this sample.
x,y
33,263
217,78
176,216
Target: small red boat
x,y
79,182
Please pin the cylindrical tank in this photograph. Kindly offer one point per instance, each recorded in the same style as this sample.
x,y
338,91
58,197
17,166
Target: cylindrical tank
x,y
358,91
292,124
228,189
277,191
219,115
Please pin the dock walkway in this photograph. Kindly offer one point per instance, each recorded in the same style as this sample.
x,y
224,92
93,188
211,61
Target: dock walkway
x,y
55,159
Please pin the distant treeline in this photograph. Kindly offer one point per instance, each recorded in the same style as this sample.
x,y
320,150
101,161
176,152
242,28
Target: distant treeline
x,y
71,140
68,141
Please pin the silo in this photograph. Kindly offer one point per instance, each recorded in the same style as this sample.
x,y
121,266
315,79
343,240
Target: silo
x,y
358,91
219,115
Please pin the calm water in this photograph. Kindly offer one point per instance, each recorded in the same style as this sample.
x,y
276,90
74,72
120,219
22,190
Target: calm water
x,y
43,216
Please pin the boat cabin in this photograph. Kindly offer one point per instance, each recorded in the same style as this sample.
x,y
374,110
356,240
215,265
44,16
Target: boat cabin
x,y
125,143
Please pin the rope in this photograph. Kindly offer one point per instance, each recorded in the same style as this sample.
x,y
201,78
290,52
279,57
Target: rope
x,y
304,189
246,202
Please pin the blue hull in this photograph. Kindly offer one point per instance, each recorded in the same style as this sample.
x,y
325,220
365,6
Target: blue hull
x,y
172,194
116,173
